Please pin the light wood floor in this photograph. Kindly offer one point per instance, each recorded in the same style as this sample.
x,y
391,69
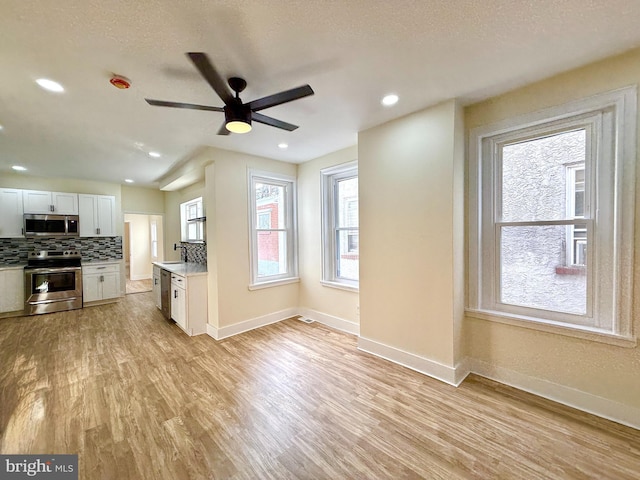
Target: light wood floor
x,y
138,399
139,286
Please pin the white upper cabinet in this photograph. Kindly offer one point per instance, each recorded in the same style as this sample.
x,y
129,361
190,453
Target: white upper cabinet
x,y
11,213
97,215
61,203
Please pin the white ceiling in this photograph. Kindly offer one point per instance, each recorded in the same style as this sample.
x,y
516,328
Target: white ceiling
x,y
350,52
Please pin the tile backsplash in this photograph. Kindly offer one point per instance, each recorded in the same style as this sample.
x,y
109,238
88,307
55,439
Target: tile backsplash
x,y
15,250
194,252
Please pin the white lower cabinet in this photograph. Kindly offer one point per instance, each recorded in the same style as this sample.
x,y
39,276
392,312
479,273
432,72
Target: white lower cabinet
x,y
189,302
12,288
101,282
157,290
178,300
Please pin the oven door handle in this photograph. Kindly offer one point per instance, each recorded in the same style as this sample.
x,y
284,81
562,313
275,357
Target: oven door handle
x,y
51,269
55,300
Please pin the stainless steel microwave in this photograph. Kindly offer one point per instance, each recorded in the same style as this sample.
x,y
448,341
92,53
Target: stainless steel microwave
x,y
45,225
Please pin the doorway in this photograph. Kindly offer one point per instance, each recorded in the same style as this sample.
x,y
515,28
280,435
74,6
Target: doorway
x,y
143,245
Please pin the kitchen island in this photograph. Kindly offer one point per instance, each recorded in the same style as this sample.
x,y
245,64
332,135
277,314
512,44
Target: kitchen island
x,y
180,290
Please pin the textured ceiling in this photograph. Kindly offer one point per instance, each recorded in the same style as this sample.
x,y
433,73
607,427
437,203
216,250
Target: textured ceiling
x,y
350,52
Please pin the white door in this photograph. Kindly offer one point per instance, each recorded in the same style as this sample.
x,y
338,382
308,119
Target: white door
x,y
110,285
36,201
91,288
65,203
87,215
106,210
11,213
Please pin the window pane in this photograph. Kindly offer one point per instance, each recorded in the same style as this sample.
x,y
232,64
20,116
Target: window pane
x,y
270,198
348,203
272,253
534,177
264,219
534,272
347,254
192,231
192,211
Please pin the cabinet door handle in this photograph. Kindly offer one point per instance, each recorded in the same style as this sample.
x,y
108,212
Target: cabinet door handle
x,y
155,281
100,268
102,278
175,294
51,208
98,230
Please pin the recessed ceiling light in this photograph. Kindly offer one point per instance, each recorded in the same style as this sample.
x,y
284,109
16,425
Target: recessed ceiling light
x,y
1,128
19,168
389,100
50,85
128,180
154,154
283,145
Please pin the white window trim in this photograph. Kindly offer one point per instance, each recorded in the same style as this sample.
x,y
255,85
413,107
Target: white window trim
x,y
185,224
624,103
289,183
571,209
328,176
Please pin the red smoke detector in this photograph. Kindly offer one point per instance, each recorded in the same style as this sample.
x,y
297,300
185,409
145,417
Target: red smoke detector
x,y
120,82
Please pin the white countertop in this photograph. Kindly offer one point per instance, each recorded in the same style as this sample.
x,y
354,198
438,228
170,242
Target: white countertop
x,y
12,266
187,269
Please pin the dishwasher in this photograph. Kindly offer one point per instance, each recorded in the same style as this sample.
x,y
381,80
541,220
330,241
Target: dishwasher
x,y
165,293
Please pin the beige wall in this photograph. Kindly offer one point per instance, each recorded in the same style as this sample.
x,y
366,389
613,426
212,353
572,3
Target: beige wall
x,y
331,301
28,182
172,201
599,369
228,241
142,200
410,172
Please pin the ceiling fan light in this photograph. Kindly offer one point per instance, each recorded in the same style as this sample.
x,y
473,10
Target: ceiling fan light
x,y
237,118
238,126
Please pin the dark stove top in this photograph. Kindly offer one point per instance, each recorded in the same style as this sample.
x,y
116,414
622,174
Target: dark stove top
x,y
54,259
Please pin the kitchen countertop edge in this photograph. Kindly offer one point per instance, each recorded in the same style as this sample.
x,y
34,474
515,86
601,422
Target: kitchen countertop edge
x,y
12,266
187,269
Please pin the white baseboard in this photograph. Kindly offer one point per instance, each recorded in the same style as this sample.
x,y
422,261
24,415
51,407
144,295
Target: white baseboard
x,y
444,373
587,402
245,326
331,321
571,397
212,331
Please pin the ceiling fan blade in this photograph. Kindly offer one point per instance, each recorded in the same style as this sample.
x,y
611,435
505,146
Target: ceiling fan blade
x,y
162,103
280,98
223,130
213,78
258,117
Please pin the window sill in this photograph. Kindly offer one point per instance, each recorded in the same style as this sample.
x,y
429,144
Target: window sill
x,y
340,286
549,326
571,270
273,283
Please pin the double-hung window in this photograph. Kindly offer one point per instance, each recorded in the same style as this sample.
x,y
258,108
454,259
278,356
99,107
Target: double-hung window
x,y
192,220
551,216
272,225
340,232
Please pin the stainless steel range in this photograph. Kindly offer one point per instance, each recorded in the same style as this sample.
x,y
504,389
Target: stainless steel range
x,y
53,281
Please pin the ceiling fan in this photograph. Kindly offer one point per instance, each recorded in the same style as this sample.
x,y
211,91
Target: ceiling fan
x,y
238,115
